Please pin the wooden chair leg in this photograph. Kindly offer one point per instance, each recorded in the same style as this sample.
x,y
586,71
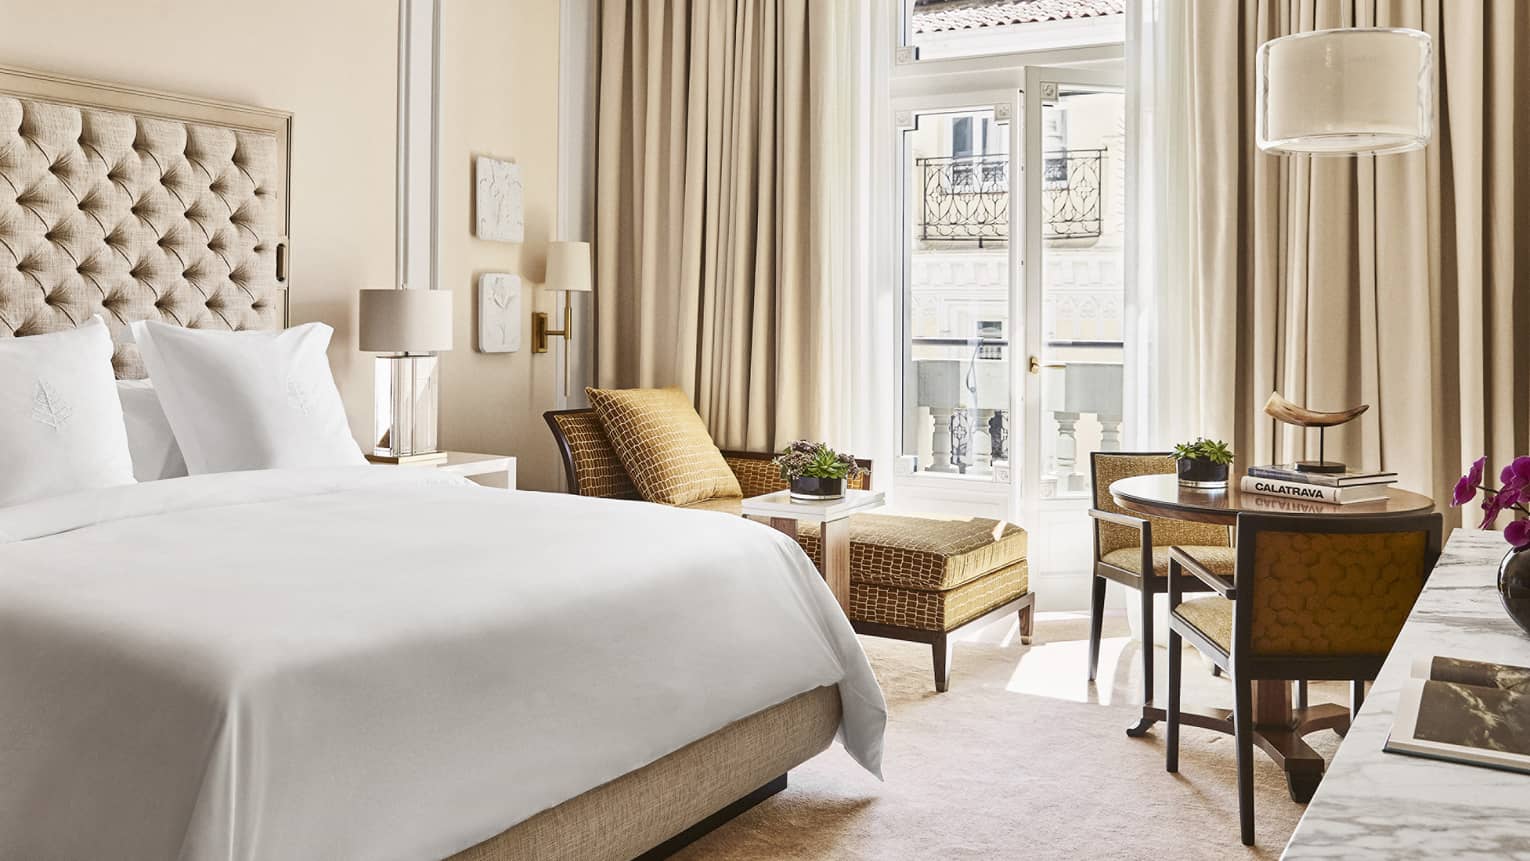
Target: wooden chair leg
x,y
1140,728
1243,730
1216,671
1096,620
1027,622
1171,721
942,652
1356,697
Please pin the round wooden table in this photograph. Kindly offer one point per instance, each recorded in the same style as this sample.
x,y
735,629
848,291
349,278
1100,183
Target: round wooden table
x,y
1278,728
1161,496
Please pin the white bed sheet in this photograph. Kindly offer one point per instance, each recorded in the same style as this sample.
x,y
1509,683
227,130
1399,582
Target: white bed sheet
x,y
376,663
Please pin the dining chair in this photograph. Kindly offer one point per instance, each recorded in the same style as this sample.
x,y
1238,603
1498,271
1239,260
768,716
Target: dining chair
x,y
1310,598
1134,551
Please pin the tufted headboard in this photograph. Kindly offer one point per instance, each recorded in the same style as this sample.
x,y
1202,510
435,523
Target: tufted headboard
x,y
138,205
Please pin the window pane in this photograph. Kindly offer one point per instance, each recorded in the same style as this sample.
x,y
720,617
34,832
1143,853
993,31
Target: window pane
x,y
956,409
965,28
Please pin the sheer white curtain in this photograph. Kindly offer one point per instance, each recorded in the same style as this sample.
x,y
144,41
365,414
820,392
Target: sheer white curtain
x,y
1162,308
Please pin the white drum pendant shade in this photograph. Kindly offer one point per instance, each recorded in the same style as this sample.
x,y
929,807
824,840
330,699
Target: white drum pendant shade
x,y
1345,92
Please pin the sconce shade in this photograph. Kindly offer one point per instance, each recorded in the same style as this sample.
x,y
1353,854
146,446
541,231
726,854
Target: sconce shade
x,y
1364,90
406,321
568,267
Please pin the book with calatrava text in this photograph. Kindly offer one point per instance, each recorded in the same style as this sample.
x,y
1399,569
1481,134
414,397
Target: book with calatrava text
x,y
1312,492
1470,712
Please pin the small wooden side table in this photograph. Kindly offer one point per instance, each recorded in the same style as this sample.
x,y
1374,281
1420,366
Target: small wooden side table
x,y
492,470
833,519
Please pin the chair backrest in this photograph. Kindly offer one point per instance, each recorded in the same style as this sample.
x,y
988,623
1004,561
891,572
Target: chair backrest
x,y
1108,467
1329,587
592,467
589,462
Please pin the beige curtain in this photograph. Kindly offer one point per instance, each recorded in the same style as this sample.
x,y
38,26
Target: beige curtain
x,y
1399,281
713,212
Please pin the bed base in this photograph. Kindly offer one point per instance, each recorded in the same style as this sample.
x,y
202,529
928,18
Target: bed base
x,y
659,809
713,822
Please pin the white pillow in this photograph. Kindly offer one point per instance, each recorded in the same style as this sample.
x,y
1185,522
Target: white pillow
x,y
150,440
248,400
60,422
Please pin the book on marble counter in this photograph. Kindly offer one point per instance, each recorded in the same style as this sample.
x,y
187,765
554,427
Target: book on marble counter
x,y
1312,492
1289,472
1470,712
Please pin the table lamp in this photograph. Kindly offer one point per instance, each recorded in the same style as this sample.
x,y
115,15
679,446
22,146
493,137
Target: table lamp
x,y
568,269
1350,91
411,327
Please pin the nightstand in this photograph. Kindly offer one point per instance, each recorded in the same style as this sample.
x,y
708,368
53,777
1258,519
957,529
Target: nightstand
x,y
491,470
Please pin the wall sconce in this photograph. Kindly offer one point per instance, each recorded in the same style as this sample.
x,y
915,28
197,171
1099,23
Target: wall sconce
x,y
568,269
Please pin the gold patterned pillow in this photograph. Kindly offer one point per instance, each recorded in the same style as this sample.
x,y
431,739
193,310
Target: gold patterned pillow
x,y
664,445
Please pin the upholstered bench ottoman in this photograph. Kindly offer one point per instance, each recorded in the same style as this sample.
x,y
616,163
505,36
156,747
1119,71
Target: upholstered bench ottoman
x,y
924,578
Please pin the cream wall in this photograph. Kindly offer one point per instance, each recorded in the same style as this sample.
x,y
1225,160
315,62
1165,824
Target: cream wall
x,y
334,65
499,97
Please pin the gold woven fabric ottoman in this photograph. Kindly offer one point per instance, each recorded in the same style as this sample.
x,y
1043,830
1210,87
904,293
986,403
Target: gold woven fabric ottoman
x,y
925,578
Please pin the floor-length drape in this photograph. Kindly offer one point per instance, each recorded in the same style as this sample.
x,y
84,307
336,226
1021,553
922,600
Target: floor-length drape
x,y
1400,281
715,177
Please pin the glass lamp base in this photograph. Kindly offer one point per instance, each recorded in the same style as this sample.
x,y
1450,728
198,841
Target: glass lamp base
x,y
406,398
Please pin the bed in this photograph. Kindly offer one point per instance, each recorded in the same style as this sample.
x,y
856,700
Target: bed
x,y
354,662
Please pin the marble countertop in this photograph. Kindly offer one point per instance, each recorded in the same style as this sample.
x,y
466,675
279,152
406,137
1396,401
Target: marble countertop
x,y
1373,804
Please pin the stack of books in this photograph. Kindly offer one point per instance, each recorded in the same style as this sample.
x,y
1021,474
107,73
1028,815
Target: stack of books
x,y
1339,488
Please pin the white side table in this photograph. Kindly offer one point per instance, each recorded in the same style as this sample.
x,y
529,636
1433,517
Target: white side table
x,y
833,519
492,470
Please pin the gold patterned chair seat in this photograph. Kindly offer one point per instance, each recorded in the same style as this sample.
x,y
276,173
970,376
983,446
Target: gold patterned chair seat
x,y
927,553
1211,616
1220,560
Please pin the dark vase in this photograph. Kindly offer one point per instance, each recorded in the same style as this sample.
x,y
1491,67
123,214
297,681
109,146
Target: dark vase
x,y
1514,586
1202,474
811,488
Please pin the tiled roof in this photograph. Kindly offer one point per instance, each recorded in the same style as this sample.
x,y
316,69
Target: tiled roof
x,y
941,16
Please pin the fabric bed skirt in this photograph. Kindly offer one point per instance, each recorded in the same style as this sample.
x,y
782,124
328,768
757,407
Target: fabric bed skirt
x,y
621,820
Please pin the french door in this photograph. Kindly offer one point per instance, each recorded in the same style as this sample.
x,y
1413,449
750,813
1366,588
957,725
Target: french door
x,y
1013,352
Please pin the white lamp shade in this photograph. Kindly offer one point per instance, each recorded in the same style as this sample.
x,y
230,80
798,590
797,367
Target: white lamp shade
x,y
568,267
1351,91
406,321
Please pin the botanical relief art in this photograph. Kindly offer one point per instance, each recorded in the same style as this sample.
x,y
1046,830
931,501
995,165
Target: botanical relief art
x,y
500,201
499,313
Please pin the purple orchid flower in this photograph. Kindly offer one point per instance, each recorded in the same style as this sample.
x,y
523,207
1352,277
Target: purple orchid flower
x,y
1466,488
1517,533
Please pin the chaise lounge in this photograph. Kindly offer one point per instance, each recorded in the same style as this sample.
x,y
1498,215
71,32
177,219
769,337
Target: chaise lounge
x,y
911,578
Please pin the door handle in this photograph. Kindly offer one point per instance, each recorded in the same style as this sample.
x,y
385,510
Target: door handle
x,y
1035,365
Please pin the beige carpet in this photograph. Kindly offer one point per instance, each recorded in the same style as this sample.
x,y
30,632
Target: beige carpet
x,y
1021,759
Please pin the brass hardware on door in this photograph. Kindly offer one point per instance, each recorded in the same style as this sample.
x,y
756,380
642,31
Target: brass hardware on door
x,y
1035,365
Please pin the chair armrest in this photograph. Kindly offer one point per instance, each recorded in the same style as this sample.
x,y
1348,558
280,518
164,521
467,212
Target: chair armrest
x,y
1119,519
1219,584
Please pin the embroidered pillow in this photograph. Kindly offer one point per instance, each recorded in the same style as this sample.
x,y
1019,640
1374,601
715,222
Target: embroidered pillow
x,y
664,445
249,400
60,418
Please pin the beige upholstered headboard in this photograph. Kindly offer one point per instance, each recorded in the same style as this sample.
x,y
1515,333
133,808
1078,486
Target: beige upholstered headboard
x,y
137,205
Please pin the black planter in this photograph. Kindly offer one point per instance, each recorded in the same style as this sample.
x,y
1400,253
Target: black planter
x,y
1514,586
810,488
1202,474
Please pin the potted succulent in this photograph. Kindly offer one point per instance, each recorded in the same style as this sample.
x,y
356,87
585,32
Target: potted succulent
x,y
1203,463
815,471
1513,496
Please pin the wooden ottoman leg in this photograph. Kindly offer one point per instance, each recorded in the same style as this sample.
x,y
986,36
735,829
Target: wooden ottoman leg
x,y
941,648
1027,619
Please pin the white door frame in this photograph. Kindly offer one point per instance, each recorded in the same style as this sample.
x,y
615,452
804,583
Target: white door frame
x,y
1027,490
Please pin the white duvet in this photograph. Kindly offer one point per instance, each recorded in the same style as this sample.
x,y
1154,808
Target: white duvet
x,y
376,663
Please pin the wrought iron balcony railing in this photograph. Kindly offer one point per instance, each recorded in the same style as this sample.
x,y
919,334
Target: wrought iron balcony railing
x,y
967,199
